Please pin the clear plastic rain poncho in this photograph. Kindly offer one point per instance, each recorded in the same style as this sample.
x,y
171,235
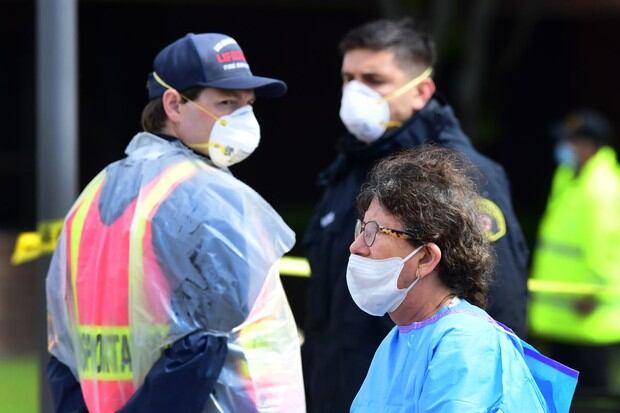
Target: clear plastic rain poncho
x,y
199,250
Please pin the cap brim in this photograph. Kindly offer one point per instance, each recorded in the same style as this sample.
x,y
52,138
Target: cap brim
x,y
263,86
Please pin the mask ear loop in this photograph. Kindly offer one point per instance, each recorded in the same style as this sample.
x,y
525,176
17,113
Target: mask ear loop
x,y
414,252
218,119
417,278
417,270
403,89
409,85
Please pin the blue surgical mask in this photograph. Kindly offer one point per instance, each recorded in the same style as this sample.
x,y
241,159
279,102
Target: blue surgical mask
x,y
565,155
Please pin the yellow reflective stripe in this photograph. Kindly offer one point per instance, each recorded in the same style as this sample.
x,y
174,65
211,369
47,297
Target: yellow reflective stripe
x,y
294,266
144,207
571,288
105,353
76,230
567,250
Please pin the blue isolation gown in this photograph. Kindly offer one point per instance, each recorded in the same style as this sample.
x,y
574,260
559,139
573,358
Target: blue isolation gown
x,y
459,360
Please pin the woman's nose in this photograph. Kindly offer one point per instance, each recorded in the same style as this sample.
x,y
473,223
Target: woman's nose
x,y
359,247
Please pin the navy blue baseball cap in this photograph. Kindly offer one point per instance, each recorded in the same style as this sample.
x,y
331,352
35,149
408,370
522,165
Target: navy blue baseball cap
x,y
207,60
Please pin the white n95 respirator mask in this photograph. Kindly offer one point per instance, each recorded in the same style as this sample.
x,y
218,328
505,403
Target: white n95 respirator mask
x,y
363,111
233,138
366,113
373,283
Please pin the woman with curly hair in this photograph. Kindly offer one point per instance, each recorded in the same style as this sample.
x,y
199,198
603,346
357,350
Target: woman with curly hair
x,y
445,354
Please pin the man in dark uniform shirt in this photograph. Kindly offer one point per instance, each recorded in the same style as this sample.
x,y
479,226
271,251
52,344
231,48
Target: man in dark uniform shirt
x,y
389,104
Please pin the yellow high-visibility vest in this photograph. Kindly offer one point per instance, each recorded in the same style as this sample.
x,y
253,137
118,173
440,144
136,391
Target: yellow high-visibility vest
x,y
579,242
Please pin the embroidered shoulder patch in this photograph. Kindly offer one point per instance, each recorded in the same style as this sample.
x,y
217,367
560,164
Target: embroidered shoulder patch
x,y
491,219
327,219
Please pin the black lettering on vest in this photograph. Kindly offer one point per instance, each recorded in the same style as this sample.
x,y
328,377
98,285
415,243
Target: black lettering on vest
x,y
125,354
86,354
104,353
98,352
110,353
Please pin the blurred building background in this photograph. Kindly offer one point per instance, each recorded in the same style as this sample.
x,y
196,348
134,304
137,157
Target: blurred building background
x,y
509,68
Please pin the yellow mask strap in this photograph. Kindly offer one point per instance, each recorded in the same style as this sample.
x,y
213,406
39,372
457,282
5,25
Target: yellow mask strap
x,y
392,124
208,145
409,85
159,80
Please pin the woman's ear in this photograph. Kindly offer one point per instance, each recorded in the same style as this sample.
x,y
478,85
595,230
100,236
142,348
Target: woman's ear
x,y
171,101
430,260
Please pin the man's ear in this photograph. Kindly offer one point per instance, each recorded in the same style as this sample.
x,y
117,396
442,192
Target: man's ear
x,y
430,260
423,93
171,101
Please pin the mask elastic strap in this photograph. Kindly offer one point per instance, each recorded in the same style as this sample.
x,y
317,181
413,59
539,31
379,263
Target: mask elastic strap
x,y
392,124
159,80
409,85
414,252
403,89
417,271
413,284
208,145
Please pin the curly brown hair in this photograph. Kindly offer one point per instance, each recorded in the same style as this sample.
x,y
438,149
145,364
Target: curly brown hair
x,y
429,191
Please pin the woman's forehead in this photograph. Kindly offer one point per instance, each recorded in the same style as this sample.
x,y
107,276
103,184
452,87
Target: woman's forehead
x,y
376,212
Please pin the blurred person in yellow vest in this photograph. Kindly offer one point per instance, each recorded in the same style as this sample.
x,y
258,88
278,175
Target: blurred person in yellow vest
x,y
579,245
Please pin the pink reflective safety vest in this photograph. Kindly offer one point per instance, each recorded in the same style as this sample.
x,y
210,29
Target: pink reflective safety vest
x,y
113,273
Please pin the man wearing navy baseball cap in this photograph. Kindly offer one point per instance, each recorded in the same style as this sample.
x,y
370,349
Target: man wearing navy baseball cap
x,y
211,73
163,294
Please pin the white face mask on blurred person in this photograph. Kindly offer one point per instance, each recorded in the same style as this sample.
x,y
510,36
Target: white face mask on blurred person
x,y
233,138
373,283
365,113
564,154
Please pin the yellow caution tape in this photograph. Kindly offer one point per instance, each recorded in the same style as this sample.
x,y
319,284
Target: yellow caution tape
x,y
50,232
32,245
27,248
294,266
